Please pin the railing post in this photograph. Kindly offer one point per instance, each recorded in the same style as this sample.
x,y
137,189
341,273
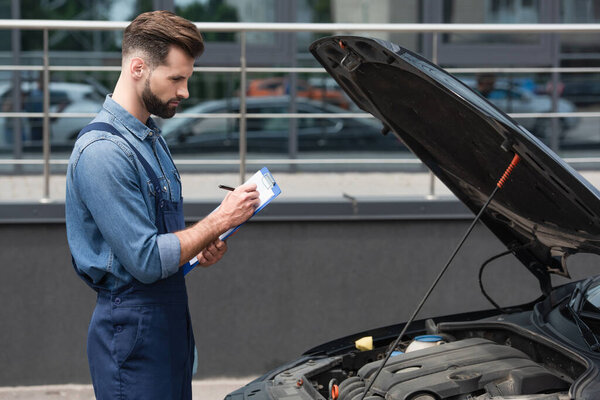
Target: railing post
x,y
293,106
434,59
242,143
46,126
17,126
555,129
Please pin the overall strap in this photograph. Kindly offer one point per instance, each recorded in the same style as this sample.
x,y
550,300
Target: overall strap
x,y
162,142
106,127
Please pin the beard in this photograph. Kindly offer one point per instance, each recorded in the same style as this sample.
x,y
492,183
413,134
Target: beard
x,y
155,106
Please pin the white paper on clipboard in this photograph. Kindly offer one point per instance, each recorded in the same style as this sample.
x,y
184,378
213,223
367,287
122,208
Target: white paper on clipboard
x,y
267,190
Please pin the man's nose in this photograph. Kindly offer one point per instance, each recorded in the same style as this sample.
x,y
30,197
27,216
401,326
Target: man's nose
x,y
183,92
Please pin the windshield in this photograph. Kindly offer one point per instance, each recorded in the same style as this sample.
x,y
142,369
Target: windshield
x,y
592,295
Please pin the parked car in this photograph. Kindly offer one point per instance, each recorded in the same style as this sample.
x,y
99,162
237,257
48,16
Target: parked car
x,y
516,98
272,134
65,97
548,349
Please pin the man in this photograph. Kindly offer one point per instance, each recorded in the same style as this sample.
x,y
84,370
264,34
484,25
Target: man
x,y
125,222
486,84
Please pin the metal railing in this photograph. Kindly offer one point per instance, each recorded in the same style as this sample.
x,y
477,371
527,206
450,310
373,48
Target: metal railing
x,y
243,28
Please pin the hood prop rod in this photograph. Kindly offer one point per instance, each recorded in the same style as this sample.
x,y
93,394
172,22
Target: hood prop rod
x,y
499,186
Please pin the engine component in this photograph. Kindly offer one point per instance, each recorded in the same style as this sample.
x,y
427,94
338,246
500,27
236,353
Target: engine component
x,y
476,367
424,341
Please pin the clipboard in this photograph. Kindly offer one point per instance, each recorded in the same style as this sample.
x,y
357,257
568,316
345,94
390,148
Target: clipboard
x,y
268,189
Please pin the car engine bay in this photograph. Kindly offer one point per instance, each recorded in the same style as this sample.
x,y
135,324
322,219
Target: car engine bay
x,y
460,361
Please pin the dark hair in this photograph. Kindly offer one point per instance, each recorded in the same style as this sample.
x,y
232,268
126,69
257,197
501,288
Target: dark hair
x,y
155,32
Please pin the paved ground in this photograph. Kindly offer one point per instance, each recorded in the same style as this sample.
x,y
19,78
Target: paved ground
x,y
293,185
203,390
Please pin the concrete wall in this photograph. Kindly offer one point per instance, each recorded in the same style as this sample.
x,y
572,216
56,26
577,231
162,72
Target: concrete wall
x,y
291,280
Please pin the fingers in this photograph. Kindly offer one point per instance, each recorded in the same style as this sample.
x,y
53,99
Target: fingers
x,y
247,187
212,253
215,248
219,246
240,204
249,190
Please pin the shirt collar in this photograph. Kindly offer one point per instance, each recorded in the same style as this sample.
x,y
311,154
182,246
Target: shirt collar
x,y
131,123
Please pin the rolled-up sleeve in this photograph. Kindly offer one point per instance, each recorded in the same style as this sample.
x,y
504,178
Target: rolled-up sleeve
x,y
169,249
108,183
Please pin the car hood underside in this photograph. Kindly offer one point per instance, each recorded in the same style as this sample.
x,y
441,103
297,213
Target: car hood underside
x,y
545,212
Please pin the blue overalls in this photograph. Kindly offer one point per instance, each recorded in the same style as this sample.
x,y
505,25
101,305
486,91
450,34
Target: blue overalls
x,y
140,339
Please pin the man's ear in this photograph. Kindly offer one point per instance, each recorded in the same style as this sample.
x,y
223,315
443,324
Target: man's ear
x,y
137,67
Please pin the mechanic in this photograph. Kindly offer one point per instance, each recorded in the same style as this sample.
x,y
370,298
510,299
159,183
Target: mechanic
x,y
125,221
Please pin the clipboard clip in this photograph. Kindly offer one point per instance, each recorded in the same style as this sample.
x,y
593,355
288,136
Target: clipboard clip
x,y
268,180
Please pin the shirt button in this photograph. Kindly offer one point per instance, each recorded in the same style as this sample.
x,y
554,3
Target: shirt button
x,y
117,301
151,133
119,328
164,188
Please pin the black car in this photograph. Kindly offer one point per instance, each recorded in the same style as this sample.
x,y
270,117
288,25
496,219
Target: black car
x,y
543,212
270,134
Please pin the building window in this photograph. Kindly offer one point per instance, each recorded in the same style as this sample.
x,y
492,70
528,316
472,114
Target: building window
x,y
492,12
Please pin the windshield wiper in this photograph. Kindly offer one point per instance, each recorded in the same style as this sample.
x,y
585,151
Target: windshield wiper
x,y
574,306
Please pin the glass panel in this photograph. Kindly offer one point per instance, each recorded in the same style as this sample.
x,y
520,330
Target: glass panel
x,y
492,12
374,12
518,94
80,41
579,12
230,11
204,86
201,135
581,89
67,95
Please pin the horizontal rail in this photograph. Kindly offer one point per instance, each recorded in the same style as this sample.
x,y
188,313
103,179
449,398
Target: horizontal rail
x,y
88,25
32,161
306,70
524,70
295,161
578,114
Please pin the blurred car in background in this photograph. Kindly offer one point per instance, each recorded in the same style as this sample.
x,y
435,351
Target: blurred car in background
x,y
193,134
65,97
515,98
314,89
585,92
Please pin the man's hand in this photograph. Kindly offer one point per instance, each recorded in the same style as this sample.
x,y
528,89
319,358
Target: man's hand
x,y
239,205
235,209
212,253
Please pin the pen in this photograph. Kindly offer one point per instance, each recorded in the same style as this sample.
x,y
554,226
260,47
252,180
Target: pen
x,y
226,188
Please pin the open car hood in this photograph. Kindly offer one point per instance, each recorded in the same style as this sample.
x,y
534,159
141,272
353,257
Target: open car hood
x,y
468,144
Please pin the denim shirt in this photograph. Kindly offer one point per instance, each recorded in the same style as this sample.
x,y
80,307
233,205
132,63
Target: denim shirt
x,y
110,208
